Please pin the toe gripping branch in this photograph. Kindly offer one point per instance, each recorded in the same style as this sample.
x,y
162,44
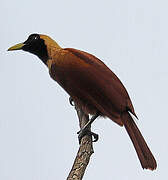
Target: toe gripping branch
x,y
71,101
85,130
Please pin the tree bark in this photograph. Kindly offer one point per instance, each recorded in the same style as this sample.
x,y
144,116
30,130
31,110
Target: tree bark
x,y
85,150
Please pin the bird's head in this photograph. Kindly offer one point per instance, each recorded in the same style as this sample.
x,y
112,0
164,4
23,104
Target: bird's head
x,y
36,44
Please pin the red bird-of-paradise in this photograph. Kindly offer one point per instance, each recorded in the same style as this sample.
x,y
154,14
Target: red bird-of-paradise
x,y
92,86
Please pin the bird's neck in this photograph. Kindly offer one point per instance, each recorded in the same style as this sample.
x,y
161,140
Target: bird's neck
x,y
52,50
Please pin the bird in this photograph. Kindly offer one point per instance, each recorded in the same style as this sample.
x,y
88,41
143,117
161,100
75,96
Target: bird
x,y
92,86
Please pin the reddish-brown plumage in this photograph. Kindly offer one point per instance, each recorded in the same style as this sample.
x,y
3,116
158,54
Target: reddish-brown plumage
x,y
97,89
89,81
92,85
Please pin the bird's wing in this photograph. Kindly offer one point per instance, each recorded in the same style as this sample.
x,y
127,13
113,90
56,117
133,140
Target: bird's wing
x,y
82,74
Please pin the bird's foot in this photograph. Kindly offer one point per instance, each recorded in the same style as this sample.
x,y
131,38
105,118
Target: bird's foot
x,y
71,101
86,131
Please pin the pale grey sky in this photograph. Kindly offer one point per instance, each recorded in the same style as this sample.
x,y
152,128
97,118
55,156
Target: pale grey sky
x,y
38,139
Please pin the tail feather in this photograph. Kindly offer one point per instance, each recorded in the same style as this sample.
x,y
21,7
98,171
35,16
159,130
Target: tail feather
x,y
144,154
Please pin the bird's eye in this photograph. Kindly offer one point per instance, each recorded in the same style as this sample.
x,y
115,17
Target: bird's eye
x,y
35,38
31,39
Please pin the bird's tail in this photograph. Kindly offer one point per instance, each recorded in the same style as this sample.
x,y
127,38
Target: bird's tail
x,y
144,154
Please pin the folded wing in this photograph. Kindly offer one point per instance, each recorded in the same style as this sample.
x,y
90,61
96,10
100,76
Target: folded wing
x,y
84,76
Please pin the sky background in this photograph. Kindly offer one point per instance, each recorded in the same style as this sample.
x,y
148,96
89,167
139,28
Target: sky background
x,y
38,139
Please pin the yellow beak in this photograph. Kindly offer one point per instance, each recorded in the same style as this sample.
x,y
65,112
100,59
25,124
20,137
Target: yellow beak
x,y
16,47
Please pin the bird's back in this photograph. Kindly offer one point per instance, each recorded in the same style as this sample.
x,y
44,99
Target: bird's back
x,y
90,81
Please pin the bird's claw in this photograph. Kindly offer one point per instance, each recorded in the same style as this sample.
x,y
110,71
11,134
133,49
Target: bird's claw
x,y
71,101
84,132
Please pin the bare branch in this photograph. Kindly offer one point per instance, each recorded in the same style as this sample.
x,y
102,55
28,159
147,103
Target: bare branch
x,y
84,152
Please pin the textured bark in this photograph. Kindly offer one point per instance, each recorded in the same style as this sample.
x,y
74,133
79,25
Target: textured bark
x,y
84,152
